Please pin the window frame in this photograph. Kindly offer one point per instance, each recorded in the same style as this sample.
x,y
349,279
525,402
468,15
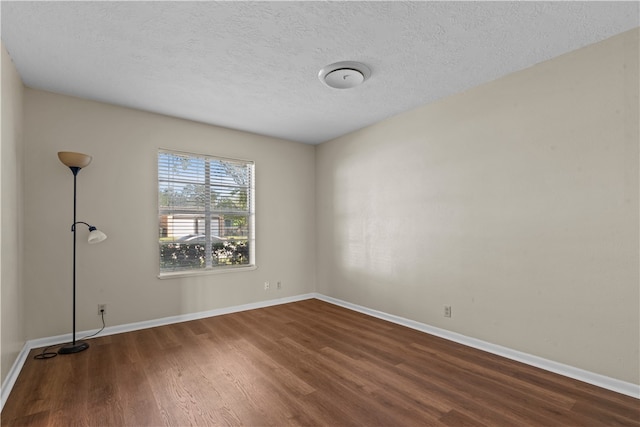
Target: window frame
x,y
251,215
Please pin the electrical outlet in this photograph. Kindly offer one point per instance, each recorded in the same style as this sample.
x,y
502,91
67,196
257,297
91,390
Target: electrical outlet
x,y
447,311
102,309
266,286
279,285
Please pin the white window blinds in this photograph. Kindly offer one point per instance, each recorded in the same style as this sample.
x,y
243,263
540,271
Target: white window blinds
x,y
205,212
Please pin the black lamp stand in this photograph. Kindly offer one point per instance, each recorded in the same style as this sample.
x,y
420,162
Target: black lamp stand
x,y
74,347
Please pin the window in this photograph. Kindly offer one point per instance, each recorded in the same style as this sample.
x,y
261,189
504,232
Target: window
x,y
205,213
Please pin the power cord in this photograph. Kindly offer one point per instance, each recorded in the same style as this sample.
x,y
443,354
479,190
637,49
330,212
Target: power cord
x,y
49,354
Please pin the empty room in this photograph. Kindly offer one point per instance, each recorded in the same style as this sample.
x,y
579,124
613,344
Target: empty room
x,y
320,213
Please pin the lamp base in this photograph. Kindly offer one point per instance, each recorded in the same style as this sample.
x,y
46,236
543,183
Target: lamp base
x,y
74,348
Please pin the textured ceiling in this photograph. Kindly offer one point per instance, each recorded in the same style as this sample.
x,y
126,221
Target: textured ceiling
x,y
253,65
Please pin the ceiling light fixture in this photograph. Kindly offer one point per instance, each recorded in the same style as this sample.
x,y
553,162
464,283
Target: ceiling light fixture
x,y
344,75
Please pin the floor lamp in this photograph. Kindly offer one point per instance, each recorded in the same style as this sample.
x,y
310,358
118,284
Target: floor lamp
x,y
75,162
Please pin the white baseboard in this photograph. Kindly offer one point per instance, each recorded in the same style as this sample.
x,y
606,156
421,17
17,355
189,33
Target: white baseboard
x,y
12,376
602,381
118,329
608,383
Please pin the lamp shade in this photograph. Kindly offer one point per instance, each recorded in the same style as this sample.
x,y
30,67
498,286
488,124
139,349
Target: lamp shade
x,y
74,160
96,236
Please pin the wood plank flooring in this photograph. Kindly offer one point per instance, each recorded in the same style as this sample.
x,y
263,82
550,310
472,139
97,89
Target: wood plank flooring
x,y
305,363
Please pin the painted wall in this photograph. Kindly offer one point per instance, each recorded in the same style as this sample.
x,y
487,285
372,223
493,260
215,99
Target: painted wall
x,y
516,203
117,192
11,295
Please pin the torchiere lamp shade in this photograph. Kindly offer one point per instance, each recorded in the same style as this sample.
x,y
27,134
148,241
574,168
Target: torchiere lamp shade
x,y
74,160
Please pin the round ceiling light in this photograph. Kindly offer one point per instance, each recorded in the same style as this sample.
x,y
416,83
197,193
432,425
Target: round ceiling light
x,y
344,75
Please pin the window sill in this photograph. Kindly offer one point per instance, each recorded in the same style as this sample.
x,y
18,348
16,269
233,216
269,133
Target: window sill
x,y
218,270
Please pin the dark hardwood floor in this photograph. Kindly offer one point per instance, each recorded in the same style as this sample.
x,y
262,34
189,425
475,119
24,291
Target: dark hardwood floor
x,y
305,363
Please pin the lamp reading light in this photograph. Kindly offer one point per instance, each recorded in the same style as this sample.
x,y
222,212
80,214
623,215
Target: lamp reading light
x,y
95,235
75,162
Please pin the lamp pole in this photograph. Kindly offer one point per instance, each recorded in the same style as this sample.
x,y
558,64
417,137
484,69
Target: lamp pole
x,y
75,162
80,346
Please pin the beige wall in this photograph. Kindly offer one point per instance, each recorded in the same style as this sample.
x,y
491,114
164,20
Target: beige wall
x,y
117,192
515,202
11,295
